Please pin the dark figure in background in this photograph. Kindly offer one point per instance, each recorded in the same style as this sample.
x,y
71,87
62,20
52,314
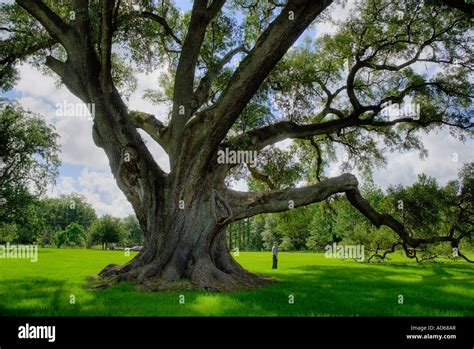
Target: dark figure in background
x,y
275,255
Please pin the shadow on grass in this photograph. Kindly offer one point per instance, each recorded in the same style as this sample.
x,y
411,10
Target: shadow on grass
x,y
369,290
345,290
27,297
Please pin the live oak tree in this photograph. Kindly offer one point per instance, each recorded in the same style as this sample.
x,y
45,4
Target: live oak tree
x,y
28,162
133,232
232,83
105,230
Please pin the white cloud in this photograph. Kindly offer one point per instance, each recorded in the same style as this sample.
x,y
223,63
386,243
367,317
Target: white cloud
x,y
40,94
99,189
137,102
404,168
337,12
148,81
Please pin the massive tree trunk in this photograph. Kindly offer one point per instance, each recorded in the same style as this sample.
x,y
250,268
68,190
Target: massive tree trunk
x,y
185,240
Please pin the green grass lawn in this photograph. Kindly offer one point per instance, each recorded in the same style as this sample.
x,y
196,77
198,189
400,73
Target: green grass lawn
x,y
320,286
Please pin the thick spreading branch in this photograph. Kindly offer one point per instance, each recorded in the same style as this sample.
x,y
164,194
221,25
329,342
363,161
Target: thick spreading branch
x,y
270,47
202,93
261,137
183,90
250,204
53,24
253,203
356,200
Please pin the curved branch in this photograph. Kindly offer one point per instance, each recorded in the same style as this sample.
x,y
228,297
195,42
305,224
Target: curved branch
x,y
164,24
382,256
377,219
201,95
53,24
270,47
253,203
152,126
261,177
247,204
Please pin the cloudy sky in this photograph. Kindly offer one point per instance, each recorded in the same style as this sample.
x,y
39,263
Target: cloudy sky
x,y
85,167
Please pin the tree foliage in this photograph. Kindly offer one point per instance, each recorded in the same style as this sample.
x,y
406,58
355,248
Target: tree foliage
x,y
105,230
28,159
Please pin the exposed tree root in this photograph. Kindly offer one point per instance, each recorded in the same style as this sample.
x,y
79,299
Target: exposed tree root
x,y
202,276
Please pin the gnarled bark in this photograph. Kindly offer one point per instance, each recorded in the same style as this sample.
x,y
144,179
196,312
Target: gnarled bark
x,y
186,243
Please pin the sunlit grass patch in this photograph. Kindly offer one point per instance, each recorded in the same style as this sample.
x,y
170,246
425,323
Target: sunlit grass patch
x,y
318,286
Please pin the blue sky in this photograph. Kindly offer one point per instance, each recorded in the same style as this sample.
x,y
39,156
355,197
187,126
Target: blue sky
x,y
85,168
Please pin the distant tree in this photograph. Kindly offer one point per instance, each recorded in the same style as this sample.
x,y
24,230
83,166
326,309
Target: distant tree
x,y
46,237
133,231
269,235
246,235
105,230
436,214
257,225
293,226
419,205
60,238
322,226
29,225
58,213
8,233
75,234
28,163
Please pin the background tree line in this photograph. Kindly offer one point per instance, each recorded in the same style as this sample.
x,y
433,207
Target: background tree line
x,y
425,208
70,221
29,161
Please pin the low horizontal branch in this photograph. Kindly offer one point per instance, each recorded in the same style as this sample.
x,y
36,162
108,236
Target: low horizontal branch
x,y
248,204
